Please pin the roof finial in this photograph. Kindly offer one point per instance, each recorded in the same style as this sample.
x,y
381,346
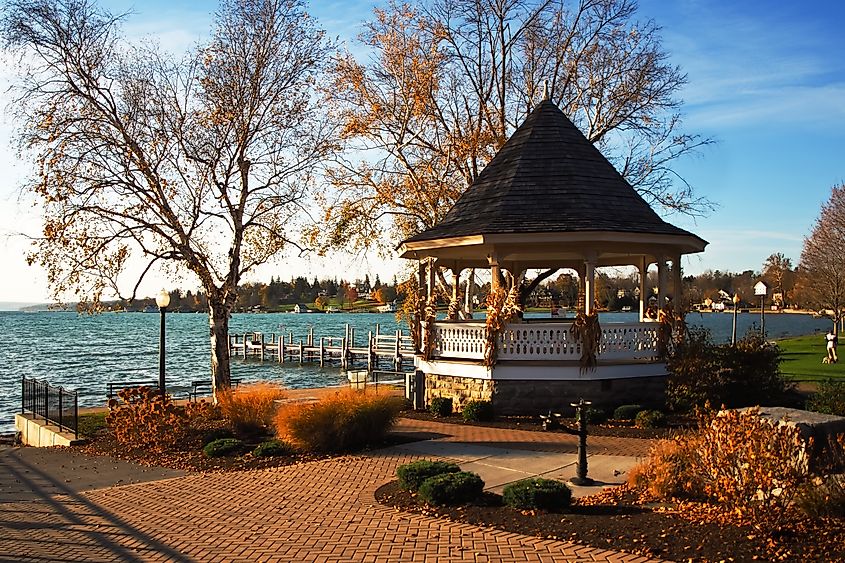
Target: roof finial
x,y
545,89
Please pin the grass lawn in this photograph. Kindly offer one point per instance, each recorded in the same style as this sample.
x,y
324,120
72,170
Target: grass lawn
x,y
802,359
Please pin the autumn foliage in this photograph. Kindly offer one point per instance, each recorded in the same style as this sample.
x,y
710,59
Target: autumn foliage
x,y
346,421
250,409
143,419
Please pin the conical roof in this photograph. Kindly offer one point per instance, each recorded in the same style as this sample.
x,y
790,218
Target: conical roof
x,y
548,177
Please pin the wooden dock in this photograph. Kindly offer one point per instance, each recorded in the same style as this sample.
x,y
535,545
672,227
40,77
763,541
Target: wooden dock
x,y
395,351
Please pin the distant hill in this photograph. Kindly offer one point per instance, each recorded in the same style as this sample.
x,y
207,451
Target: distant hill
x,y
21,306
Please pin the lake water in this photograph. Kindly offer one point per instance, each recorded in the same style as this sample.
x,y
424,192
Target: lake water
x,y
84,352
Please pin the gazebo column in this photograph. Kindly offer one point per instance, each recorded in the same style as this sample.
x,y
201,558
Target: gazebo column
x,y
677,283
469,293
495,272
661,282
643,267
589,284
432,280
454,303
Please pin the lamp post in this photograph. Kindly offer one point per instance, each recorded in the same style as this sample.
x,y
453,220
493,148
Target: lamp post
x,y
733,331
581,478
162,300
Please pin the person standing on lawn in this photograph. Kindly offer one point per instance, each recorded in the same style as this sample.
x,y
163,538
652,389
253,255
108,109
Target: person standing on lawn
x,y
832,341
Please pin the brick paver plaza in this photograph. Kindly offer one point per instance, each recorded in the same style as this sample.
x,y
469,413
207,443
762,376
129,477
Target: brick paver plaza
x,y
318,511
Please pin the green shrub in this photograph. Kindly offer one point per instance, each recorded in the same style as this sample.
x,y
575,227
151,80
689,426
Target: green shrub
x,y
451,488
594,415
543,494
650,419
735,376
440,406
346,421
217,434
478,411
627,412
411,475
829,398
223,447
273,448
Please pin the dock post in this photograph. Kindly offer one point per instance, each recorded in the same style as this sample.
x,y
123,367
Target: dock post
x,y
343,362
244,345
261,350
300,350
397,358
281,348
321,352
311,336
370,351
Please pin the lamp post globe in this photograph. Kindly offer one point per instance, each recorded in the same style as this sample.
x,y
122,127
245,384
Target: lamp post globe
x,y
163,301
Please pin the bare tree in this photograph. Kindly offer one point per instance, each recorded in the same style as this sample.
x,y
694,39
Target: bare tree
x,y
200,163
777,268
822,266
451,79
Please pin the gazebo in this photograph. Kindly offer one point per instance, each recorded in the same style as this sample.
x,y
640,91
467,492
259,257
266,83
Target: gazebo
x,y
547,200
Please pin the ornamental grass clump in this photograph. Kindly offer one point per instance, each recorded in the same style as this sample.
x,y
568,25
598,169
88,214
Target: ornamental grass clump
x,y
411,475
537,494
250,408
451,488
346,421
145,420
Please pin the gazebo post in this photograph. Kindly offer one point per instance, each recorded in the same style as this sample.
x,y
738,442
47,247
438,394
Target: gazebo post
x,y
421,277
495,272
431,278
470,292
643,267
454,304
661,282
677,283
589,283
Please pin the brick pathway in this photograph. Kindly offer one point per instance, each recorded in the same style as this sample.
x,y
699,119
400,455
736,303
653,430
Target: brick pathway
x,y
320,511
527,440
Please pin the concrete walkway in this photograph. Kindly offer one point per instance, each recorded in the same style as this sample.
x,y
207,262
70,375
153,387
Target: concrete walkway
x,y
319,511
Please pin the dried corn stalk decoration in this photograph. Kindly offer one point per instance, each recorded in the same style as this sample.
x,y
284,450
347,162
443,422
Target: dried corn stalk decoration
x,y
429,316
502,307
665,327
587,332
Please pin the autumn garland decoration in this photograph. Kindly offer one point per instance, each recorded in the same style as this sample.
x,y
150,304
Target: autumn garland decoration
x,y
587,332
429,316
502,307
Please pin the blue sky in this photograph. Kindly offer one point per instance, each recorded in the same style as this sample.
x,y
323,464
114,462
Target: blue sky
x,y
766,80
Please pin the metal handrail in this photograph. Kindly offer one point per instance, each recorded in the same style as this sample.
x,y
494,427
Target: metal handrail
x,y
54,404
112,387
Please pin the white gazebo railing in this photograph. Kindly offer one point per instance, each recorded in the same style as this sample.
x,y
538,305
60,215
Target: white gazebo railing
x,y
465,340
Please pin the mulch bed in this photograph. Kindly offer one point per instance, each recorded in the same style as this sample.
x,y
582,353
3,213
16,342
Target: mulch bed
x,y
621,521
617,428
192,459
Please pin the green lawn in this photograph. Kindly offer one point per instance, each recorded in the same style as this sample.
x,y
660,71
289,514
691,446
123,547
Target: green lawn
x,y
802,359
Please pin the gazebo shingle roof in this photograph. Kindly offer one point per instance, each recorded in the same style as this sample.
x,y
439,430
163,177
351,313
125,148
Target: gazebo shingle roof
x,y
548,178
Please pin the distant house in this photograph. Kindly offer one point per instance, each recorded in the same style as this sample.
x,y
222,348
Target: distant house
x,y
301,308
387,308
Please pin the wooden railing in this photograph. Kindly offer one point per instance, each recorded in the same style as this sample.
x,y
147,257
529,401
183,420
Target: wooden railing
x,y
544,341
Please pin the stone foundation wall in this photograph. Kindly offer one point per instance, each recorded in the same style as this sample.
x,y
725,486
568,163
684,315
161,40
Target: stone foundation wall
x,y
531,397
459,389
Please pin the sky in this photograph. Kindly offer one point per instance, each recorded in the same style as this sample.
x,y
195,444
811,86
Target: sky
x,y
766,81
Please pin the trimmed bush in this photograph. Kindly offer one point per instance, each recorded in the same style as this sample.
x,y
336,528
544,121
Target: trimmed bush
x,y
543,494
250,408
478,411
650,419
411,475
829,398
223,447
451,488
346,421
440,406
217,434
273,448
143,419
627,412
594,415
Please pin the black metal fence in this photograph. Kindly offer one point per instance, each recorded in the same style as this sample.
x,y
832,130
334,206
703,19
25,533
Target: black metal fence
x,y
54,404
